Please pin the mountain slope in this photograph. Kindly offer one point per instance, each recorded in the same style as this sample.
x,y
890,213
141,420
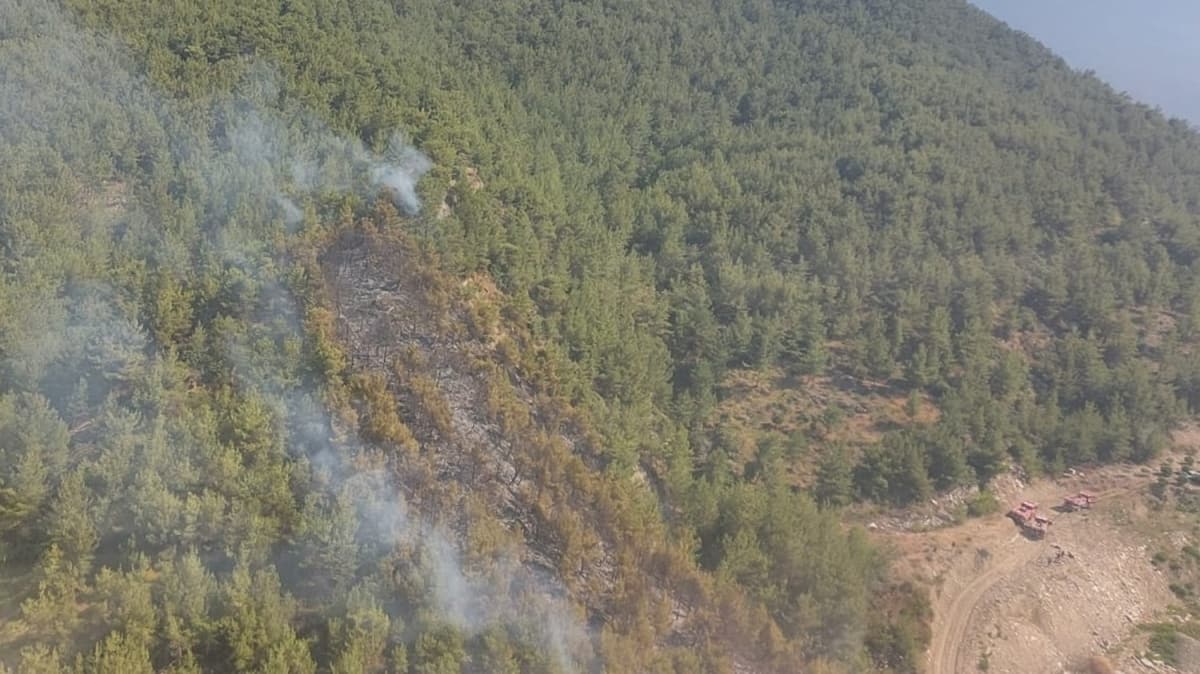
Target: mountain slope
x,y
241,417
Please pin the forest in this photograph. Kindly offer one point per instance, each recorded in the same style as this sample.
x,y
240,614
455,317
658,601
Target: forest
x,y
591,217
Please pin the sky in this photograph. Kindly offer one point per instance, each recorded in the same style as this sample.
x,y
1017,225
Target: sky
x,y
1148,48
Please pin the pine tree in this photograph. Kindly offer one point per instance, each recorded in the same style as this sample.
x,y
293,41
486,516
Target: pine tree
x,y
1010,375
120,654
987,457
72,525
920,371
876,349
329,551
496,653
19,503
438,650
361,637
40,659
834,480
127,603
947,461
52,612
1117,444
744,562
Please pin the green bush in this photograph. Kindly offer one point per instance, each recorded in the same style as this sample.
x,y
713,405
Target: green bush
x,y
982,503
1164,639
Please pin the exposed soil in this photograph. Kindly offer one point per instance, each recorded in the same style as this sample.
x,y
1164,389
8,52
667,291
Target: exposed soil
x,y
1006,603
1045,608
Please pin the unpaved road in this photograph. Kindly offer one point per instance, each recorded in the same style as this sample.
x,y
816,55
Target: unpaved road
x,y
1009,553
950,629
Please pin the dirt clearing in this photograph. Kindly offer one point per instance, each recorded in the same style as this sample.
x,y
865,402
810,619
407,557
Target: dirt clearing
x,y
1005,603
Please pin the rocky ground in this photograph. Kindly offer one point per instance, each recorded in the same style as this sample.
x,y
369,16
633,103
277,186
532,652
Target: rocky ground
x,y
1079,596
1072,602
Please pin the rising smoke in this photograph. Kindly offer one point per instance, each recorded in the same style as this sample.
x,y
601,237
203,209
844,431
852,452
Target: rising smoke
x,y
266,161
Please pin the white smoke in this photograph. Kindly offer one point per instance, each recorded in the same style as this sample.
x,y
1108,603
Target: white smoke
x,y
292,215
267,161
401,176
319,160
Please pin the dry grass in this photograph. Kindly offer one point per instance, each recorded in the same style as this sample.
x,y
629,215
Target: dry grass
x,y
826,410
1097,664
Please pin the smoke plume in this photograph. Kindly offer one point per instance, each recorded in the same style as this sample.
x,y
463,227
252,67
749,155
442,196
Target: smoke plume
x,y
259,172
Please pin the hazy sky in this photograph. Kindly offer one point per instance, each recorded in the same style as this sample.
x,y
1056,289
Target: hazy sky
x,y
1149,48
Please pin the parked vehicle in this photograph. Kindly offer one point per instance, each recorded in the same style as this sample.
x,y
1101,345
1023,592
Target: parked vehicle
x,y
1081,501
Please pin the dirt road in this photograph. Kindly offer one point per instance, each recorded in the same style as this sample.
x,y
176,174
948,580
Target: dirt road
x,y
1007,555
950,626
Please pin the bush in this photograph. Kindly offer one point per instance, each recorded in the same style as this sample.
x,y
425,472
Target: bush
x,y
1163,641
982,503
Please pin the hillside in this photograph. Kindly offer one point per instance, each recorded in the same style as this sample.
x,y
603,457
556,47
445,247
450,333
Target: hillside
x,y
540,336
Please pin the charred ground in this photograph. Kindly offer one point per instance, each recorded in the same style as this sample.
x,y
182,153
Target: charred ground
x,y
485,440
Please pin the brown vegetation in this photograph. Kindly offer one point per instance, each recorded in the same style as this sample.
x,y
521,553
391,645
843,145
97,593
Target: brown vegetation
x,y
1098,664
483,408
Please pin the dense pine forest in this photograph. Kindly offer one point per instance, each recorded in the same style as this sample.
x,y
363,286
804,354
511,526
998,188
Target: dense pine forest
x,y
370,336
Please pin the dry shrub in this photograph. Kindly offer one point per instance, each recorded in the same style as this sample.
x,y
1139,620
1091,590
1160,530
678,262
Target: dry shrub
x,y
429,398
1098,664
